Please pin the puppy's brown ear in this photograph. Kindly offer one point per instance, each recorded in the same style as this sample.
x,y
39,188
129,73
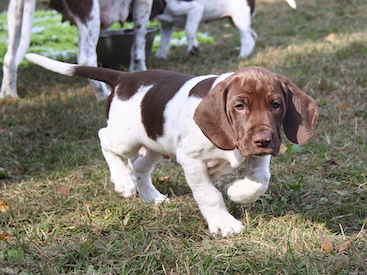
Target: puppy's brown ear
x,y
301,113
211,117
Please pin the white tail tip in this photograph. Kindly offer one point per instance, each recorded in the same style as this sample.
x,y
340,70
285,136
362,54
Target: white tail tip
x,y
50,64
292,3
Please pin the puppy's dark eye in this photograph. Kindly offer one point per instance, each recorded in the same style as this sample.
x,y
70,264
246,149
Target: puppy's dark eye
x,y
276,105
240,106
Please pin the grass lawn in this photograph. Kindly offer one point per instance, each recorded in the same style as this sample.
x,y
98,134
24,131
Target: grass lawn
x,y
59,213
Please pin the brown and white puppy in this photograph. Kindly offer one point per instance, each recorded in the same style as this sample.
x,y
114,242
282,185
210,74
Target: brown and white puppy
x,y
210,123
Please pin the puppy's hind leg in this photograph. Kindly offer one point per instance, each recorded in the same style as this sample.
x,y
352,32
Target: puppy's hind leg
x,y
143,165
121,173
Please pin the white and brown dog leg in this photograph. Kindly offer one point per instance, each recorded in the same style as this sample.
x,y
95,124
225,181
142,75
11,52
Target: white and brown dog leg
x,y
142,166
255,183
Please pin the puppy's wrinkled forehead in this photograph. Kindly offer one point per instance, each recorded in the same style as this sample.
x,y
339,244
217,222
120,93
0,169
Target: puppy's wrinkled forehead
x,y
254,79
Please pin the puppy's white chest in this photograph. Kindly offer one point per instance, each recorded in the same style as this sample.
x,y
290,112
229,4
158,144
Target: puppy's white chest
x,y
218,167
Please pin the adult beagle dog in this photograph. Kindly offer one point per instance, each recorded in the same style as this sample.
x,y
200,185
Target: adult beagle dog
x,y
189,14
210,123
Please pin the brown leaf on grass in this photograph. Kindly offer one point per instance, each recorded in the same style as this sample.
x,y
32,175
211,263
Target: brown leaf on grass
x,y
330,37
61,190
344,246
326,244
283,149
5,236
164,178
330,164
2,131
3,206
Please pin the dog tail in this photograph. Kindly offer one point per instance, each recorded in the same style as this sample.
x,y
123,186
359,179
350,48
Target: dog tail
x,y
292,3
108,76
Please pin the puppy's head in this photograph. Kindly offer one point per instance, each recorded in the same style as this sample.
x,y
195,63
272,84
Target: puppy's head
x,y
247,109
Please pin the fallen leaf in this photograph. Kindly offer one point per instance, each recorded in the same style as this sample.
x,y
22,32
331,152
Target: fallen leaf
x,y
2,131
326,244
3,206
330,163
343,106
344,246
5,236
330,37
283,149
62,190
164,178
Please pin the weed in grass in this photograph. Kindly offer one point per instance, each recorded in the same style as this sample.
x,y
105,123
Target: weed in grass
x,y
60,215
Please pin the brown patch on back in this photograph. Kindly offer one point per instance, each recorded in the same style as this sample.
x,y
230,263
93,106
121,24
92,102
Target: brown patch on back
x,y
126,85
71,9
166,85
202,88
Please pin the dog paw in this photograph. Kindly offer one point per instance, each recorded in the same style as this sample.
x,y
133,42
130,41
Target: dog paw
x,y
194,50
126,190
161,199
225,226
245,191
161,55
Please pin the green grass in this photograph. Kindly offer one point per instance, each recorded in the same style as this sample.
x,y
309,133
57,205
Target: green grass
x,y
50,36
63,216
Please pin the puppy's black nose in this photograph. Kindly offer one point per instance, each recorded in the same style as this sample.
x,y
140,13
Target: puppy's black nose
x,y
262,139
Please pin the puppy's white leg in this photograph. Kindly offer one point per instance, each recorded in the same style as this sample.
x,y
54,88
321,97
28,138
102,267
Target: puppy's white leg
x,y
20,18
166,35
121,173
255,183
209,199
143,165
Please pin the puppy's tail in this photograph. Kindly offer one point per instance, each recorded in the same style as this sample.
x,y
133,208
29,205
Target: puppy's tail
x,y
292,3
108,76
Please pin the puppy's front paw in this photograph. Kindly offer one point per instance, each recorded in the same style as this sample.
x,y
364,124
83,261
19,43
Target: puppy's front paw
x,y
245,191
225,226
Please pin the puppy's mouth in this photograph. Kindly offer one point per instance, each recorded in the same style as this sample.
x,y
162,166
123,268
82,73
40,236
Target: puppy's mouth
x,y
249,149
261,154
265,152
